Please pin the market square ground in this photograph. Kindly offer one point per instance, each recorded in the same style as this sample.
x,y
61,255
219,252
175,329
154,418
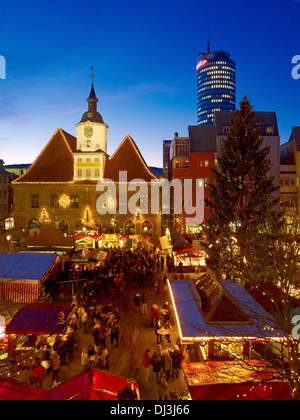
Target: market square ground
x,y
136,336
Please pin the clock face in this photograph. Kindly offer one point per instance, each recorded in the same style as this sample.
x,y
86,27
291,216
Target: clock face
x,y
88,131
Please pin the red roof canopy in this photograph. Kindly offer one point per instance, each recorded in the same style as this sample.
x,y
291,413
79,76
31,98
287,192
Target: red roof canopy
x,y
252,380
90,385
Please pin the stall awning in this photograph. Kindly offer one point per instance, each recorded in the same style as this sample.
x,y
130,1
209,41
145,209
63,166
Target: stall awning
x,y
15,391
39,318
27,266
228,299
235,380
92,385
190,253
165,243
89,385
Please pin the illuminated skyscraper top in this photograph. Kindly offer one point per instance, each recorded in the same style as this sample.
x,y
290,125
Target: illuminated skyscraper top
x,y
215,84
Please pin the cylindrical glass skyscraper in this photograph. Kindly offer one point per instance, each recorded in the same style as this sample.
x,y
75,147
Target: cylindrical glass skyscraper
x,y
215,84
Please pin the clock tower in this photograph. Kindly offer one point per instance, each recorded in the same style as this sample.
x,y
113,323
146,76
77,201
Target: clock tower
x,y
90,156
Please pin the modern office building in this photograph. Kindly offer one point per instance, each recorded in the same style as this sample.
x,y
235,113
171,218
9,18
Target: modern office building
x,y
194,156
215,85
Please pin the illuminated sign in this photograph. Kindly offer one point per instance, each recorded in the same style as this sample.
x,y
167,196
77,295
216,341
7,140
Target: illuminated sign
x,y
200,64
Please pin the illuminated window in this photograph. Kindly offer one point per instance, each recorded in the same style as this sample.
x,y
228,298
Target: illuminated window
x,y
182,163
207,163
74,201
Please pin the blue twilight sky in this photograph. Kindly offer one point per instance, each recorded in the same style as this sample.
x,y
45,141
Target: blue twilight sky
x,y
144,54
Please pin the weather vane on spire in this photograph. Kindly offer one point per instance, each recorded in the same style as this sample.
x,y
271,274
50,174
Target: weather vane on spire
x,y
92,68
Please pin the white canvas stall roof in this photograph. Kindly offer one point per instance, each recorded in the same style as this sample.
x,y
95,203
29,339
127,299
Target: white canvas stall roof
x,y
29,266
193,325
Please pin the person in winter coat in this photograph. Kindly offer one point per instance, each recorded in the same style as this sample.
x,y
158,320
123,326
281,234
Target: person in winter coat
x,y
176,357
84,359
144,302
55,368
84,321
137,301
153,314
167,364
156,363
147,363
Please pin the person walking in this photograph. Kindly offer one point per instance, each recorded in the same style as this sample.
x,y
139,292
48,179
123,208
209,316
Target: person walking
x,y
153,314
84,359
55,368
144,302
167,364
156,363
177,358
37,374
168,327
147,364
84,320
137,301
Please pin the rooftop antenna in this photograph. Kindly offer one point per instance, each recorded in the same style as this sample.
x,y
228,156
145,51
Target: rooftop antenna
x,y
208,44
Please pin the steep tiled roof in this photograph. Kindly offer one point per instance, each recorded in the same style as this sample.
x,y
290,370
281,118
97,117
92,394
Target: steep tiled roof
x,y
128,158
55,162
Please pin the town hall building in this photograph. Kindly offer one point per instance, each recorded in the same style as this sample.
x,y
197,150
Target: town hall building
x,y
59,190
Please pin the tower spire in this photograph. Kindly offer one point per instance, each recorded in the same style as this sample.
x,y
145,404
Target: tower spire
x,y
92,99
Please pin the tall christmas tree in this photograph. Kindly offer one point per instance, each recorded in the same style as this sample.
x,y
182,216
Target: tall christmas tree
x,y
243,204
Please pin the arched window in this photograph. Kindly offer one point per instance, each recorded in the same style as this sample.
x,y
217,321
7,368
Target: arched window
x,y
147,228
129,228
64,227
34,227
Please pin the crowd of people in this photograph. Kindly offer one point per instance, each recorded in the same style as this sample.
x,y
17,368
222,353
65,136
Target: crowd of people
x,y
122,270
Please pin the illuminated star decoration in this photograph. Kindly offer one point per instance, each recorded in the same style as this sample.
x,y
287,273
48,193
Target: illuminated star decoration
x,y
64,201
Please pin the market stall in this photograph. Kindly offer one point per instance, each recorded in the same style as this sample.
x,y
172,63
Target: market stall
x,y
37,324
189,259
93,384
252,380
22,275
90,385
7,311
112,240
